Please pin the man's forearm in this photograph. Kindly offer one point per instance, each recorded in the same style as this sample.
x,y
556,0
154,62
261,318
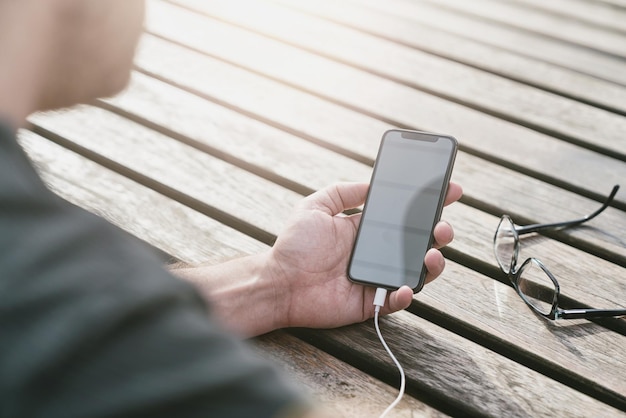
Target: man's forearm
x,y
239,292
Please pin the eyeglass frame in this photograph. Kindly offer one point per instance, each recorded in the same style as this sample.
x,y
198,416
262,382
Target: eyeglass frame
x,y
514,272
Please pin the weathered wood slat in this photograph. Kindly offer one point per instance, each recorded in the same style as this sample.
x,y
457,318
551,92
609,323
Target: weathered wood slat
x,y
522,104
267,100
592,12
359,134
372,18
549,25
492,33
516,145
175,164
616,3
233,136
345,389
577,349
164,223
448,368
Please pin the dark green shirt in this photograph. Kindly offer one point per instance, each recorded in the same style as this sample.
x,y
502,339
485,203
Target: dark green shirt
x,y
91,325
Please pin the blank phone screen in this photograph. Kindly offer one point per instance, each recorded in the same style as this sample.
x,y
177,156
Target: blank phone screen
x,y
402,207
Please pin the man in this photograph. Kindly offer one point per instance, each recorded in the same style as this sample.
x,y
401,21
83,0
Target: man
x,y
90,324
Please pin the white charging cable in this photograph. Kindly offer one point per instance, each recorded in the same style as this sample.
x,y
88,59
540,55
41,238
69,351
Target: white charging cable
x,y
379,302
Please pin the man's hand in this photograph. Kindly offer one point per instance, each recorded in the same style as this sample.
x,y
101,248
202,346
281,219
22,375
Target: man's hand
x,y
301,281
309,261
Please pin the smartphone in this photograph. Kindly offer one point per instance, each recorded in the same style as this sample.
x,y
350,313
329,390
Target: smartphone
x,y
404,203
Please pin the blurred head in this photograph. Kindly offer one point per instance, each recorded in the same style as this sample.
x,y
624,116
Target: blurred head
x,y
71,50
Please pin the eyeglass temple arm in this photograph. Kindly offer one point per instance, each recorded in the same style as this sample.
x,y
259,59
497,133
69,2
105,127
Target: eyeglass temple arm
x,y
521,230
589,313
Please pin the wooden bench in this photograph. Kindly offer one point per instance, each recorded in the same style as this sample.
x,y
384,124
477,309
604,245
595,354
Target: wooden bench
x,y
238,108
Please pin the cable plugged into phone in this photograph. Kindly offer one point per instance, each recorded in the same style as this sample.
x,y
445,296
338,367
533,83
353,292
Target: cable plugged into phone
x,y
379,302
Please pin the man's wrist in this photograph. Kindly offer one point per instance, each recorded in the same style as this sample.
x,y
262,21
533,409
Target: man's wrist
x,y
242,293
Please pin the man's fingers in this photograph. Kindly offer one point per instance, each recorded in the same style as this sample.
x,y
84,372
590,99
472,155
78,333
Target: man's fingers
x,y
443,233
337,198
399,299
455,191
342,196
435,263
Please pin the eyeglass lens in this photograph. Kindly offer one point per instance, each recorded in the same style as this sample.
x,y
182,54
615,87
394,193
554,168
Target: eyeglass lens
x,y
504,244
536,287
531,281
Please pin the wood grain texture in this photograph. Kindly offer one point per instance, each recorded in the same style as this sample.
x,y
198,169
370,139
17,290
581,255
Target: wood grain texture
x,y
417,31
174,164
234,136
166,224
508,99
549,25
493,33
595,13
270,101
346,390
479,132
528,200
441,364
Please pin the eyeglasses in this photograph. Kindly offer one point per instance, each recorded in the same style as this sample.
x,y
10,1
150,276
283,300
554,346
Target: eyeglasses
x,y
532,280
